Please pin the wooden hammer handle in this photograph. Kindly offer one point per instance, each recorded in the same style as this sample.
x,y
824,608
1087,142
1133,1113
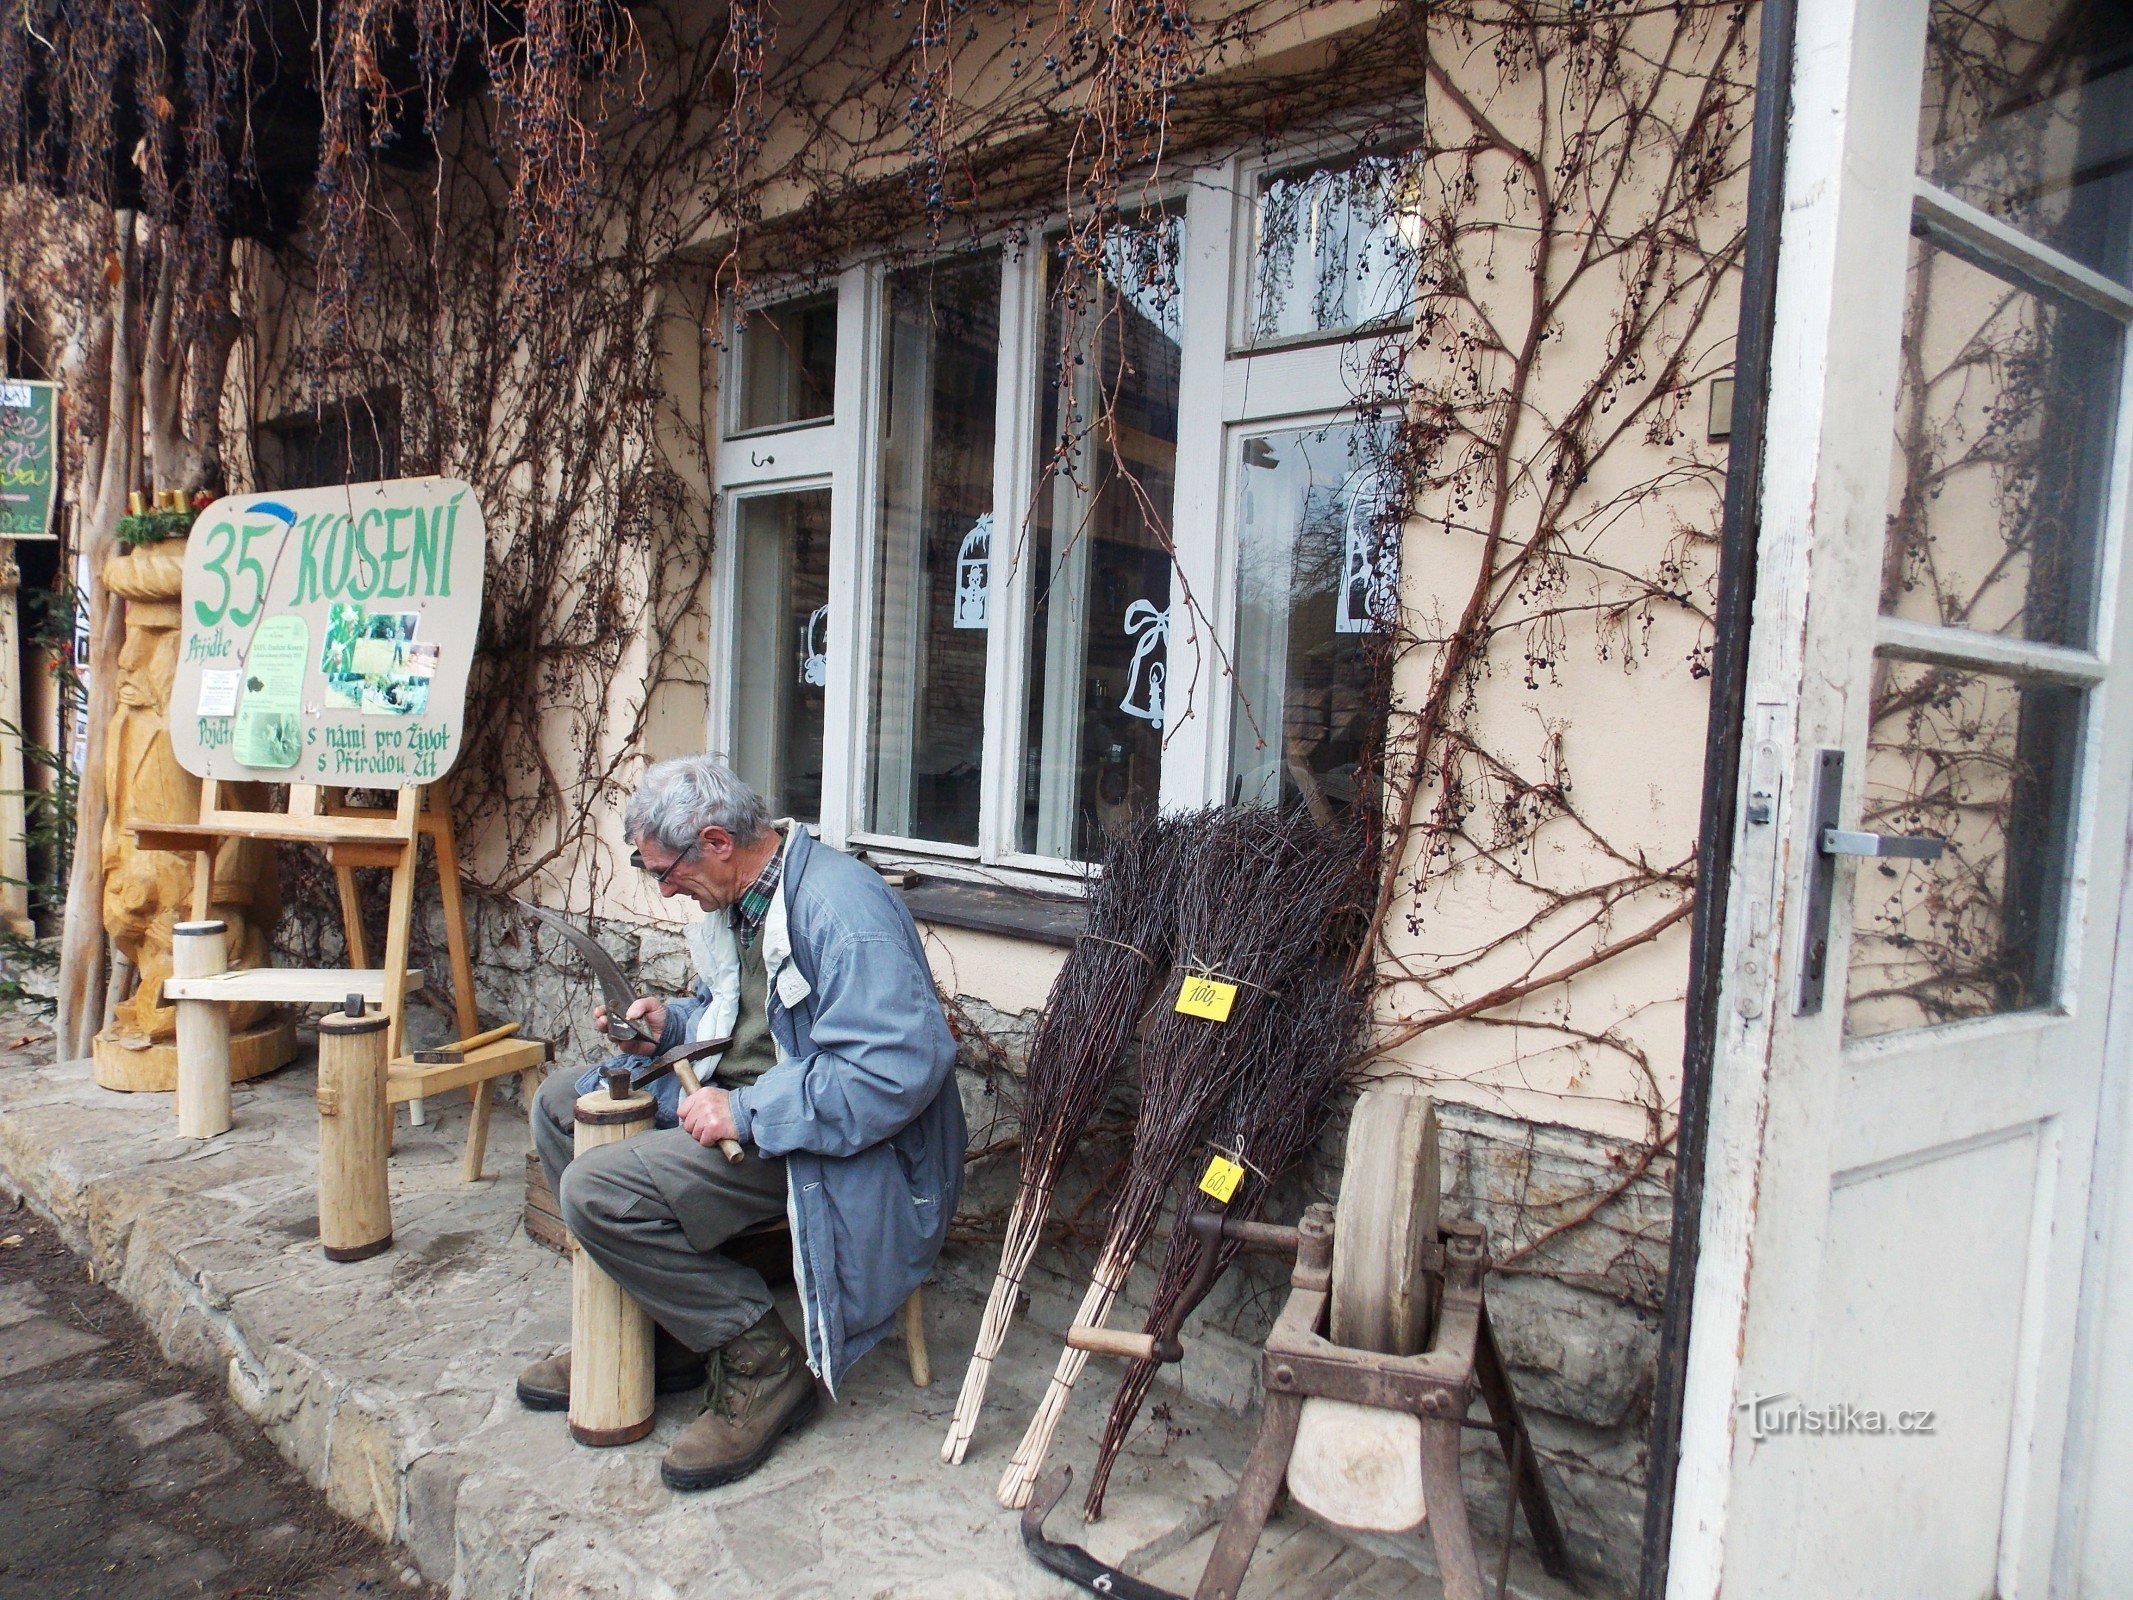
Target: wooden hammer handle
x,y
1111,1342
729,1148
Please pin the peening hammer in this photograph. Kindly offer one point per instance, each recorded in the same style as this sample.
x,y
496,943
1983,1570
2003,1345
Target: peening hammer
x,y
622,1082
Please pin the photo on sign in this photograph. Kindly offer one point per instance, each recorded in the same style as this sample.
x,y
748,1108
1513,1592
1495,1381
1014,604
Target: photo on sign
x,y
372,662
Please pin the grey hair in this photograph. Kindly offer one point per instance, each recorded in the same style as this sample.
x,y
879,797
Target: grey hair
x,y
676,800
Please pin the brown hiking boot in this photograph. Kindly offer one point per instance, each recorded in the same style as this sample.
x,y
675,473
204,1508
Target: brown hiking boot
x,y
760,1390
545,1386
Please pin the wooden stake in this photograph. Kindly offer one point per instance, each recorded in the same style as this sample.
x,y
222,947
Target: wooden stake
x,y
610,1336
201,950
355,1219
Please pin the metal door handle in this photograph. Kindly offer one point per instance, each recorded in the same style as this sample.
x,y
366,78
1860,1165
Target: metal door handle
x,y
1831,844
1912,847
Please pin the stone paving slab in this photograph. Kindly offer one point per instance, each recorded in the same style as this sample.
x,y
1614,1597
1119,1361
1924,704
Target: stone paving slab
x,y
387,1383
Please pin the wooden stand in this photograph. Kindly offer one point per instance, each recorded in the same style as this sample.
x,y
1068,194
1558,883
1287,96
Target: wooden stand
x,y
610,1336
355,1217
1431,1390
386,837
202,950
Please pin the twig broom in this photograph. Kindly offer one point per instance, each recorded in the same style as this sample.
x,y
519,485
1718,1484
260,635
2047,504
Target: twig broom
x,y
1088,1021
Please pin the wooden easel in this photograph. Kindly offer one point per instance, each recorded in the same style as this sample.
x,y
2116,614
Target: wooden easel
x,y
388,837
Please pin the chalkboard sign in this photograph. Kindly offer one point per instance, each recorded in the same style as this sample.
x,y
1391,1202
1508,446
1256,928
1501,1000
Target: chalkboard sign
x,y
29,458
327,634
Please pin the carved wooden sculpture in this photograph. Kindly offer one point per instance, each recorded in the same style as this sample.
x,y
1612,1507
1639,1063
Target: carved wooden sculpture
x,y
145,891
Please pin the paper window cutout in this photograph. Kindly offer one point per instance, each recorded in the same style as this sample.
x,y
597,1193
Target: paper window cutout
x,y
1370,560
814,639
973,575
1150,629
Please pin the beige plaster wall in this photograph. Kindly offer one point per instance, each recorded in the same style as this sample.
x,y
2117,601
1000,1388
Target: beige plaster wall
x,y
1625,712
1589,684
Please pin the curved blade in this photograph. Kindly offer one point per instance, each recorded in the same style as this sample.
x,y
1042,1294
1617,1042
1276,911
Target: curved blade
x,y
615,989
1072,1562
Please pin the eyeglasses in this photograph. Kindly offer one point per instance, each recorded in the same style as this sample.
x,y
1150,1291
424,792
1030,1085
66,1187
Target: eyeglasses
x,y
659,879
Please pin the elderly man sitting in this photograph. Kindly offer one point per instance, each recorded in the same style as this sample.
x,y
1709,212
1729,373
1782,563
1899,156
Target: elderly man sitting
x,y
839,1083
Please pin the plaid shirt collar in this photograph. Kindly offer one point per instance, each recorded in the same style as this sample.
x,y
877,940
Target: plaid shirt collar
x,y
753,906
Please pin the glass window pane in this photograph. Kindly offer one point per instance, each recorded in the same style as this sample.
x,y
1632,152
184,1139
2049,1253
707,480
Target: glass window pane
x,y
2028,114
1098,541
2004,416
940,359
787,364
1317,578
781,624
1333,249
1986,763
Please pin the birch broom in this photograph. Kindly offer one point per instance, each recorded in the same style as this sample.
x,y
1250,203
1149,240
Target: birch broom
x,y
1252,893
1088,1020
1306,1049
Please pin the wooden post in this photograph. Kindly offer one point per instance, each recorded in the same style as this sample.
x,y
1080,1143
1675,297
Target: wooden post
x,y
355,1218
915,1339
201,950
610,1336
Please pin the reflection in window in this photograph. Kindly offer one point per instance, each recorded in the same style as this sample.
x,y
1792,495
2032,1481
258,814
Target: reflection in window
x,y
787,364
781,613
1317,584
1333,249
1987,763
2028,114
1097,543
940,343
2004,415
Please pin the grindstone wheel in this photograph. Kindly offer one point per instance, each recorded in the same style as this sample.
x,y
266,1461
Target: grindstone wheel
x,y
1356,1466
1385,1218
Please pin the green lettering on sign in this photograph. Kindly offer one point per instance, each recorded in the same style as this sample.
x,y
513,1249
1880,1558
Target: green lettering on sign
x,y
29,458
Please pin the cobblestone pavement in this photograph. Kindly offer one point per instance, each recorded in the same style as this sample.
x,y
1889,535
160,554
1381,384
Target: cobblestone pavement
x,y
122,1478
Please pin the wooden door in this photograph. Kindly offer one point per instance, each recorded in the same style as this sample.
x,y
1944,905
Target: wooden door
x,y
1906,1094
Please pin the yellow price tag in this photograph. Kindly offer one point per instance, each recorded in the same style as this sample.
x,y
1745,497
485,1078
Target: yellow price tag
x,y
1204,997
1221,1178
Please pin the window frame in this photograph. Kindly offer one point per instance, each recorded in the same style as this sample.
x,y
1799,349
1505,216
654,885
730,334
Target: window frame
x,y
1225,390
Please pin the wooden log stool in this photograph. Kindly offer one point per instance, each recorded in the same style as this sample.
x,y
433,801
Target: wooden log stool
x,y
202,950
355,1132
611,1394
767,1247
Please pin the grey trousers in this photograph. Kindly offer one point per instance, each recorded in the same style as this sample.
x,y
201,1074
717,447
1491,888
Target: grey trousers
x,y
653,1212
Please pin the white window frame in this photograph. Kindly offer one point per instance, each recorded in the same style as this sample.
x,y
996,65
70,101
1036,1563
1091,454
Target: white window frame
x,y
1226,389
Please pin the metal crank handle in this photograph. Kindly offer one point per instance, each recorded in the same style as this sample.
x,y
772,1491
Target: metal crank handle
x,y
1112,1342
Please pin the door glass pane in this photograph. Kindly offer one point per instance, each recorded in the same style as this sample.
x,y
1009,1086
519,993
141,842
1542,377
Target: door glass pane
x,y
940,358
2028,114
1317,577
786,367
1333,249
1097,546
2004,414
1987,763
781,625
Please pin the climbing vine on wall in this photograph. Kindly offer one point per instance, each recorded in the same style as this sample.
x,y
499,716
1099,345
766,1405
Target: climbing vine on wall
x,y
527,226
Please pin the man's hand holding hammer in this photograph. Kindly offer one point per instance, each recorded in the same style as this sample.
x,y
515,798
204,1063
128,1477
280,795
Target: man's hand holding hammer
x,y
705,1115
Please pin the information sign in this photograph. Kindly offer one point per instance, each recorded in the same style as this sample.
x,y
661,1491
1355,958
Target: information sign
x,y
328,633
29,458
